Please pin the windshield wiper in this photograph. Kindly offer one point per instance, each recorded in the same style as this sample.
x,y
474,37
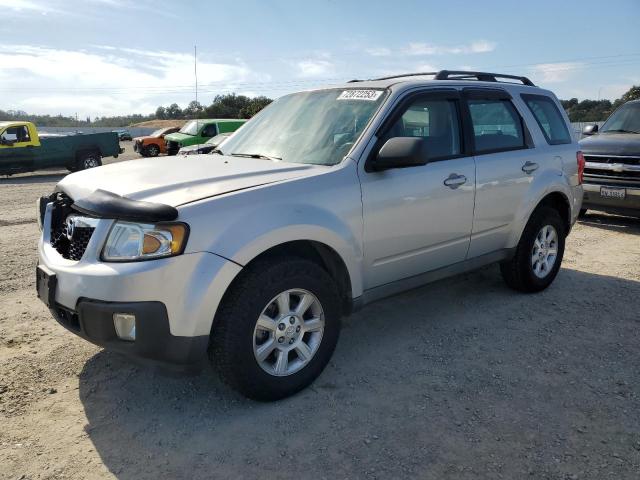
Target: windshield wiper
x,y
619,130
255,155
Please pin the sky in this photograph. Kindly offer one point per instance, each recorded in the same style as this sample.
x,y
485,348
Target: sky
x,y
116,57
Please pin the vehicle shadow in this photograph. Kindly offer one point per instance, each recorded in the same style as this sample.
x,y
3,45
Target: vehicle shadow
x,y
615,223
461,372
38,177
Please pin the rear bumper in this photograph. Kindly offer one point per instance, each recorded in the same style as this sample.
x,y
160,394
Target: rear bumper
x,y
93,321
630,205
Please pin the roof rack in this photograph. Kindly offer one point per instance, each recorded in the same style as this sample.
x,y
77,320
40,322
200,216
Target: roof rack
x,y
461,75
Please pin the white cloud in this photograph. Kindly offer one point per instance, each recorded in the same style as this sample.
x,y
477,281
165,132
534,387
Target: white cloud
x,y
24,6
110,81
420,48
482,46
311,68
555,72
378,51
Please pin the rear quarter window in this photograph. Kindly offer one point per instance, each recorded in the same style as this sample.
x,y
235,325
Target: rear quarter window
x,y
549,119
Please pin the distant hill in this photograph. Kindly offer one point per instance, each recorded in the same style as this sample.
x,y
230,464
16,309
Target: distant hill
x,y
160,123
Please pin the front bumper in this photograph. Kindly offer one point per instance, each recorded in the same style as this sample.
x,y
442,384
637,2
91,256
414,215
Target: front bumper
x,y
188,289
630,205
93,321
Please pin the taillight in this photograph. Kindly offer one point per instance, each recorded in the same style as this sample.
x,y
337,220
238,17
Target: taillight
x,y
580,160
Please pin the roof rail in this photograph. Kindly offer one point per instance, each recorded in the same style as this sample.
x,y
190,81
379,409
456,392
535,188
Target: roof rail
x,y
461,75
481,76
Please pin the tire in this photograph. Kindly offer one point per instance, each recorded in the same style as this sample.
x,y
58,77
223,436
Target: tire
x,y
88,160
234,345
521,273
152,150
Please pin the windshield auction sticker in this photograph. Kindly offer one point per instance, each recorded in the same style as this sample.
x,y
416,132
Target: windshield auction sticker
x,y
370,95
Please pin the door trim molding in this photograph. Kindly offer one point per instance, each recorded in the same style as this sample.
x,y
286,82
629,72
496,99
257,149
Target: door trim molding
x,y
409,283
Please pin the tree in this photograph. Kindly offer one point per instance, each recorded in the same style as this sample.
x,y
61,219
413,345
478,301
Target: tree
x,y
255,105
161,113
632,94
174,111
193,110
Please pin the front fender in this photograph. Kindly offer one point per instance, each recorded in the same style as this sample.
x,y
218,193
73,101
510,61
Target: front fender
x,y
241,246
325,207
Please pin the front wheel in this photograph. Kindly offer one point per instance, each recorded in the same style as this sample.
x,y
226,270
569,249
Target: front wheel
x,y
152,150
276,329
538,254
88,160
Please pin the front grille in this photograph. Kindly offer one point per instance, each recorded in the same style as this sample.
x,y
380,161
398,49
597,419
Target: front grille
x,y
172,147
70,232
74,248
631,160
613,167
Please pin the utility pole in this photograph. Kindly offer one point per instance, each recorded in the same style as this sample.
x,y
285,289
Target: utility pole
x,y
195,73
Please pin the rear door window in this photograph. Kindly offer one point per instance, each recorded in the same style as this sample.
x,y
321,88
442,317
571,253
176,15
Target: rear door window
x,y
549,119
497,126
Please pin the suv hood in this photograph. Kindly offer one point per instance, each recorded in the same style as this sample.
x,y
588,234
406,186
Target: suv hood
x,y
611,144
177,137
144,137
176,181
196,147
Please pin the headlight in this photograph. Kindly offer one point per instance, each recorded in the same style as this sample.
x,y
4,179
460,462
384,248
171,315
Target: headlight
x,y
140,241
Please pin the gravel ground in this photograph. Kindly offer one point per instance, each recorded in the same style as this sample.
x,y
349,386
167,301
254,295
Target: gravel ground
x,y
460,379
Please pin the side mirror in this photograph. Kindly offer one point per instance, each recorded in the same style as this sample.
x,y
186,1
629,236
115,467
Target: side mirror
x,y
401,152
590,129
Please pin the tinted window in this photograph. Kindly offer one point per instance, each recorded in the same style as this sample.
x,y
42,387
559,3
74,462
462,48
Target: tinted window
x,y
549,119
434,120
209,130
496,125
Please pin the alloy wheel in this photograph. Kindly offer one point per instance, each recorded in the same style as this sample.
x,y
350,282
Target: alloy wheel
x,y
288,332
545,251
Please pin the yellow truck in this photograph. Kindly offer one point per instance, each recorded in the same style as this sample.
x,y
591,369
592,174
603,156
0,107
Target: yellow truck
x,y
22,149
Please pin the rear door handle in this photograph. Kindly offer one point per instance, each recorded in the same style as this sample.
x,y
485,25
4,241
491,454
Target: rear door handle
x,y
454,181
530,167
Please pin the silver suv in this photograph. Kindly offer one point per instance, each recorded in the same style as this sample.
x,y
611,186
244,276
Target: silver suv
x,y
324,202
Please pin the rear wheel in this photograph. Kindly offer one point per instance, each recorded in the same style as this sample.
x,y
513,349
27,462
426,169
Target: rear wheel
x,y
538,254
152,150
276,329
88,160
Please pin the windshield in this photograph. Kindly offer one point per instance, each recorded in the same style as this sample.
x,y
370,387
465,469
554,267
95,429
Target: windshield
x,y
626,119
217,139
190,128
317,127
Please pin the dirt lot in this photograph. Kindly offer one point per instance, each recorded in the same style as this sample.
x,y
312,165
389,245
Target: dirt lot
x,y
460,379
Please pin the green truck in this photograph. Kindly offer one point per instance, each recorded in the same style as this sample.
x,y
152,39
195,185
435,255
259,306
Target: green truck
x,y
22,149
199,131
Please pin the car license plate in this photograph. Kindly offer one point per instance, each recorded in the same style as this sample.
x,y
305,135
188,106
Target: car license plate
x,y
609,192
46,285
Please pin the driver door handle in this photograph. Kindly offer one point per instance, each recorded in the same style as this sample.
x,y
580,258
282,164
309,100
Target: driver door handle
x,y
529,167
454,181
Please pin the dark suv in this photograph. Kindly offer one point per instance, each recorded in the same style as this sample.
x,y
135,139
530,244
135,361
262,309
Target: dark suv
x,y
612,171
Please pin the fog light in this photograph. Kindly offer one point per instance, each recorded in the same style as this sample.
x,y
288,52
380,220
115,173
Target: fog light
x,y
125,324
